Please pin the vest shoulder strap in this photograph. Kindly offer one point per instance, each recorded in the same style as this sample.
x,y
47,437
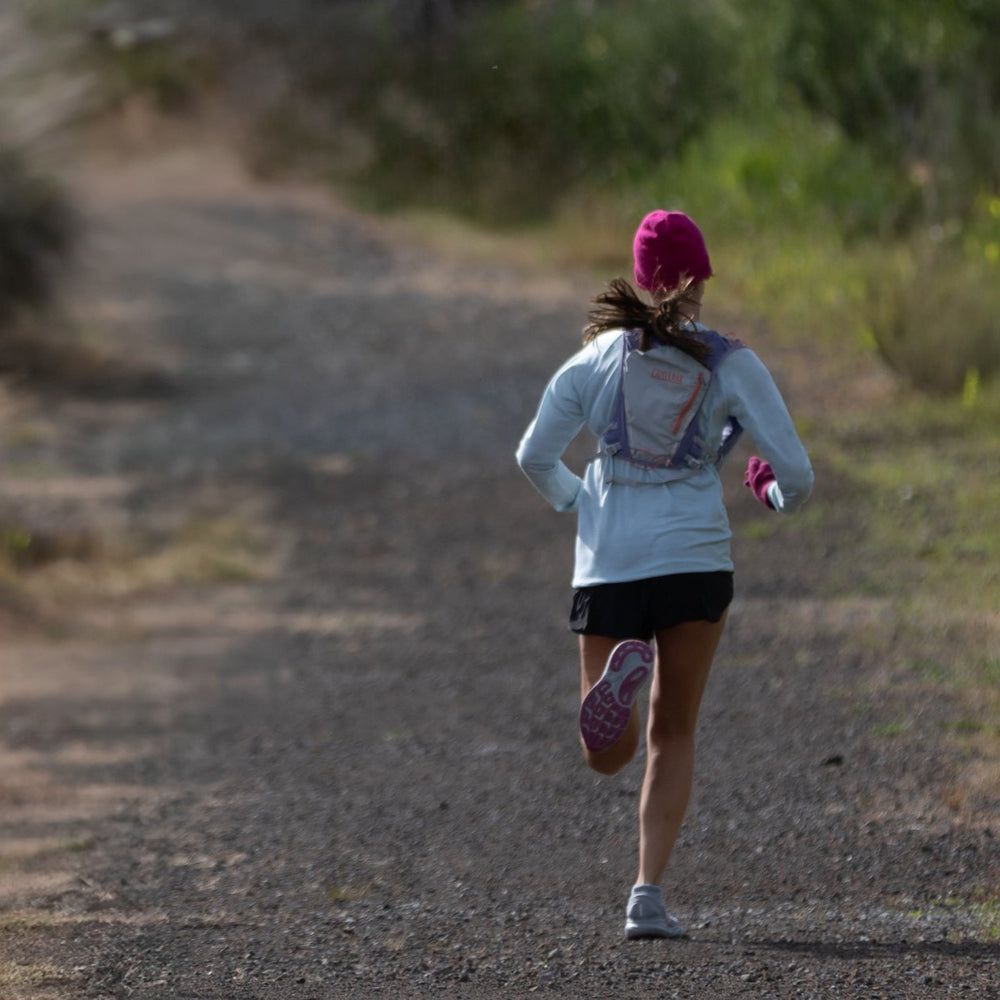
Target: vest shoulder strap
x,y
655,420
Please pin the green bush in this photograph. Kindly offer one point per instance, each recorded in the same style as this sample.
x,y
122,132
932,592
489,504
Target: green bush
x,y
788,173
172,76
916,82
935,316
36,234
530,100
842,156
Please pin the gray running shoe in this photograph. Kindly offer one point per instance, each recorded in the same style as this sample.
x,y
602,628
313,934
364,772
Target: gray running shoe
x,y
647,917
607,708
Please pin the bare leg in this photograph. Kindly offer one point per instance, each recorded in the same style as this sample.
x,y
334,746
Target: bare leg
x,y
683,659
594,653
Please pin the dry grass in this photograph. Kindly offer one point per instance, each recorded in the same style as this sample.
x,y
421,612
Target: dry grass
x,y
48,579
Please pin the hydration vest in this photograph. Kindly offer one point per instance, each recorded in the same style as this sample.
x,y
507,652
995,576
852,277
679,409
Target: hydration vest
x,y
654,424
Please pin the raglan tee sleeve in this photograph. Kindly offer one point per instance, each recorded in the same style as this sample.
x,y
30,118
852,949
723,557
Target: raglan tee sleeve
x,y
559,419
757,403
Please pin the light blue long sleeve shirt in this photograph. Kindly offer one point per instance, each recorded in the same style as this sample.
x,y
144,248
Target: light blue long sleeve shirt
x,y
632,531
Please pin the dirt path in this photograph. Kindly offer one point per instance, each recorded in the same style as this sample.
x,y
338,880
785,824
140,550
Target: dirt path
x,y
306,729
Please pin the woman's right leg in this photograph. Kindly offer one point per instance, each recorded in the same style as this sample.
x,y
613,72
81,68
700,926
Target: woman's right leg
x,y
684,657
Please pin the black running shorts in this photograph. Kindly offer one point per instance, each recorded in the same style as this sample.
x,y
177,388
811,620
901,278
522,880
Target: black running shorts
x,y
638,608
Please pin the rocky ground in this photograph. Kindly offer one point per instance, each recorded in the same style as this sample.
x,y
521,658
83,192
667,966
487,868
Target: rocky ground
x,y
297,721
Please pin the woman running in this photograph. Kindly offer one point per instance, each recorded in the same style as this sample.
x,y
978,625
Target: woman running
x,y
653,577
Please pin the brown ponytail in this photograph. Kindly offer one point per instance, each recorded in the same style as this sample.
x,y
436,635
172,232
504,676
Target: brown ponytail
x,y
621,308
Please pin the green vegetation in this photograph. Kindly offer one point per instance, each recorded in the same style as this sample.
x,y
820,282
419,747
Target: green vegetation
x,y
36,235
531,100
987,911
173,77
983,907
919,482
842,157
842,160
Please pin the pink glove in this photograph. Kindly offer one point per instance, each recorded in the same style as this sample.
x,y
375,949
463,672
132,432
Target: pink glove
x,y
759,477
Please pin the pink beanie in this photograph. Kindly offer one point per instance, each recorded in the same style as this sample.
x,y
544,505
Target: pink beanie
x,y
668,246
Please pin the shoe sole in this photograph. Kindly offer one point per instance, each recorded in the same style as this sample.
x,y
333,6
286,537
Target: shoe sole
x,y
607,708
652,930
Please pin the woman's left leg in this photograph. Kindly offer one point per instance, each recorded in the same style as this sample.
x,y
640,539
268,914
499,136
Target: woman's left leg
x,y
594,653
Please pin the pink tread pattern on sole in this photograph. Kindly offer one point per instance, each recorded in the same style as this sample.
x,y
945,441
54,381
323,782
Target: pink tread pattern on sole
x,y
606,710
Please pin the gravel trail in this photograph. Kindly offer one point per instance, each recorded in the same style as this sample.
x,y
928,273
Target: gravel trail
x,y
354,773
